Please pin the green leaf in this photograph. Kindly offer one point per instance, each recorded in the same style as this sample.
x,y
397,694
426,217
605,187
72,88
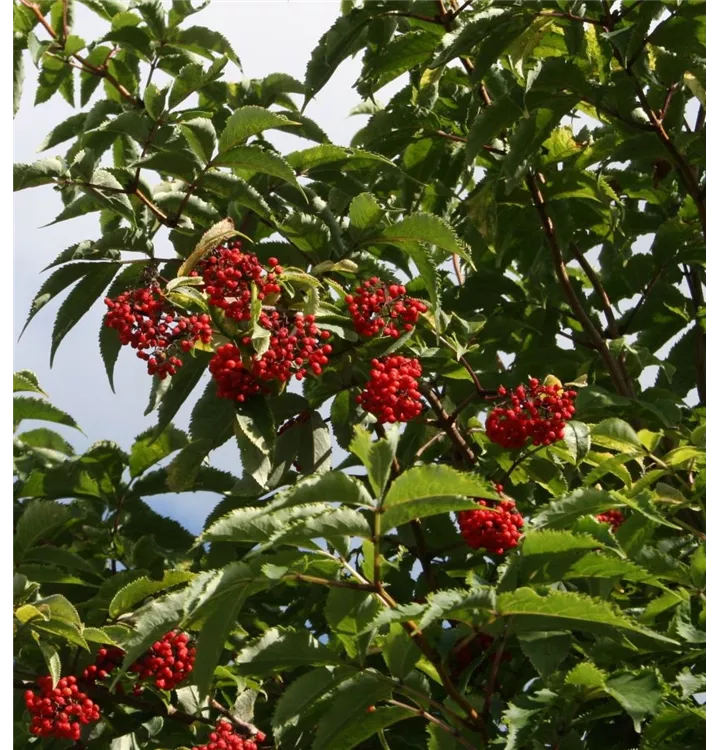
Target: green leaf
x,y
147,450
24,380
639,693
193,77
204,41
212,238
201,136
377,456
181,385
586,675
562,513
563,610
41,172
488,124
52,659
365,727
698,567
137,591
78,302
25,407
347,714
182,473
64,131
424,228
429,490
295,702
365,211
41,520
577,438
546,650
255,434
246,122
280,651
18,77
254,159
550,542
616,434
533,130
400,652
329,156
331,487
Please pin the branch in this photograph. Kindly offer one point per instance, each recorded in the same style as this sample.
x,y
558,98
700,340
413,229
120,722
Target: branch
x,y
570,17
370,587
622,387
244,726
623,328
598,286
161,217
446,423
490,685
425,715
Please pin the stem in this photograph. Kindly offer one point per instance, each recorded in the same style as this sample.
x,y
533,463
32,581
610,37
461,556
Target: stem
x,y
598,286
625,326
491,684
447,424
244,726
519,461
457,269
458,10
161,217
330,582
429,717
549,229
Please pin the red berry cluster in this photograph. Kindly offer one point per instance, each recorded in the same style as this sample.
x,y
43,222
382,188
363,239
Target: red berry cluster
x,y
225,738
234,380
168,662
228,274
144,320
496,530
295,344
391,394
59,712
107,660
377,306
614,517
539,412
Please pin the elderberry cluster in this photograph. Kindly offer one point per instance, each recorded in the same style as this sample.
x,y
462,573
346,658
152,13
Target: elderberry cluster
x,y
391,394
495,529
144,320
59,712
168,662
225,738
538,413
378,307
107,660
228,274
613,517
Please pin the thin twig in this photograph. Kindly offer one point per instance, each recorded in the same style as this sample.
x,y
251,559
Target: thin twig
x,y
592,332
244,726
625,326
445,423
458,10
491,683
161,217
598,286
429,717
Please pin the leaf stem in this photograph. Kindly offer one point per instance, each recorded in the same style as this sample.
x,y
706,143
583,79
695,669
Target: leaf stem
x,y
429,717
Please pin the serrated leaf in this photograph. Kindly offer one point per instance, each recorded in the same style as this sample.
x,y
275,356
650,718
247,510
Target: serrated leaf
x,y
639,693
201,136
423,228
429,490
256,159
181,385
586,675
193,77
25,407
377,456
246,122
400,652
24,381
488,124
203,41
616,434
41,172
142,588
212,238
78,302
577,438
546,650
562,513
279,651
52,659
148,450
365,211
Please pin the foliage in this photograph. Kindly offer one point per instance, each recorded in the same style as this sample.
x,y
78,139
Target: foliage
x,y
332,600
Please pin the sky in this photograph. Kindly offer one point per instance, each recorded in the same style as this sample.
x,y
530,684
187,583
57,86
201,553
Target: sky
x,y
269,36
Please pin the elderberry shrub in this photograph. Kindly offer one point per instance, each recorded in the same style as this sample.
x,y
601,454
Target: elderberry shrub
x,y
538,413
613,517
225,738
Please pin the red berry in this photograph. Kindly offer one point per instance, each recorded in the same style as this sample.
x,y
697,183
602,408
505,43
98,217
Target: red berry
x,y
495,529
52,709
391,394
613,517
163,663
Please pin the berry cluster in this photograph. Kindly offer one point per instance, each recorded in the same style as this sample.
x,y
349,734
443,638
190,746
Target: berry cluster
x,y
59,712
168,662
614,517
295,343
228,274
378,307
107,660
225,738
539,412
494,529
391,394
144,320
